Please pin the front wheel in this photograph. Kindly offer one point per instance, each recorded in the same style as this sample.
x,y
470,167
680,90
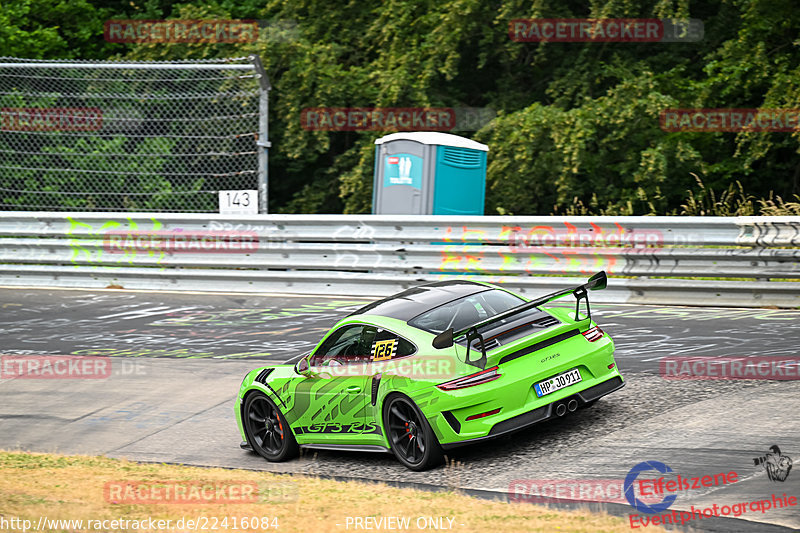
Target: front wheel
x,y
410,436
267,430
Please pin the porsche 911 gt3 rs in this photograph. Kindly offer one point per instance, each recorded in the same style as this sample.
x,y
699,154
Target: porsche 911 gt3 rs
x,y
441,365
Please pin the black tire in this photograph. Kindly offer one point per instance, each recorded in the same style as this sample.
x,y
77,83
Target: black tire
x,y
266,429
410,437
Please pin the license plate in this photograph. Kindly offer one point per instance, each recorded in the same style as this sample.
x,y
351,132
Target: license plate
x,y
557,382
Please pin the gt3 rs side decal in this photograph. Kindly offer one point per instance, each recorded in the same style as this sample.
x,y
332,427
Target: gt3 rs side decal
x,y
334,427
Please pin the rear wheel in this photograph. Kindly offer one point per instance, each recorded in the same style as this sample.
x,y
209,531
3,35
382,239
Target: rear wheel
x,y
410,436
267,430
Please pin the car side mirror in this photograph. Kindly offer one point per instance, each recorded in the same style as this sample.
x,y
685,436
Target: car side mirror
x,y
598,282
302,367
443,339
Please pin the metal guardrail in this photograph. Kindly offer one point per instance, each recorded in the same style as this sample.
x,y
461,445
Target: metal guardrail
x,y
740,261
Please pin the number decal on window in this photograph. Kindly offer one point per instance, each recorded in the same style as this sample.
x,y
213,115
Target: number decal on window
x,y
383,350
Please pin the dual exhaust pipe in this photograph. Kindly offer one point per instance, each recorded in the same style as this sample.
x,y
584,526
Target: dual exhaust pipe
x,y
571,406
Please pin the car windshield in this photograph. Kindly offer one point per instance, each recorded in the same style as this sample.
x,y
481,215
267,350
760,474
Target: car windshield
x,y
465,311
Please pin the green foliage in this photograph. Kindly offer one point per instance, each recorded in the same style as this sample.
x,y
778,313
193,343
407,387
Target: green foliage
x,y
732,202
777,206
578,123
62,29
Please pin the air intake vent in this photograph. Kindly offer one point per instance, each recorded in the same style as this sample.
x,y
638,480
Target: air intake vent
x,y
545,322
461,157
491,344
452,420
376,383
262,376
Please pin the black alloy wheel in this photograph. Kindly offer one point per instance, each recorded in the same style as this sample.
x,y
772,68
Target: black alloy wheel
x,y
410,436
267,430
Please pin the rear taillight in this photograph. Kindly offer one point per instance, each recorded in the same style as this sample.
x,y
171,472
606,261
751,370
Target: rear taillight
x,y
593,334
478,378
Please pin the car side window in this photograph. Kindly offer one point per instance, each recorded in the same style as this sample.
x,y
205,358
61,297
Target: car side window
x,y
358,343
342,346
384,345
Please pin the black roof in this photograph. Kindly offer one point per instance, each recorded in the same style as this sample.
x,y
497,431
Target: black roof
x,y
412,302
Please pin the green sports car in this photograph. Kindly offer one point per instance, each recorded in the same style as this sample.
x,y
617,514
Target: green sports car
x,y
431,368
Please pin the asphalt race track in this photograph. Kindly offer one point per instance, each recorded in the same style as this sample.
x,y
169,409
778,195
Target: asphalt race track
x,y
178,359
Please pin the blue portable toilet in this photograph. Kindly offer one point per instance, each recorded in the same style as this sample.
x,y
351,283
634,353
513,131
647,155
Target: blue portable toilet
x,y
429,173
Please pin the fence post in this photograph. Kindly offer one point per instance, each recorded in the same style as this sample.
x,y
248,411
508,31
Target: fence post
x,y
263,135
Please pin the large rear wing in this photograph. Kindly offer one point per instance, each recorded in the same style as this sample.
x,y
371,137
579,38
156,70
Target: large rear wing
x,y
581,292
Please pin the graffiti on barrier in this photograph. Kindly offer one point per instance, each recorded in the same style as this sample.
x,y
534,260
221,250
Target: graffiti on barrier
x,y
543,249
85,236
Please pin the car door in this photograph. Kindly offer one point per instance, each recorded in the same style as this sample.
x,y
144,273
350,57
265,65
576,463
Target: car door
x,y
333,398
383,347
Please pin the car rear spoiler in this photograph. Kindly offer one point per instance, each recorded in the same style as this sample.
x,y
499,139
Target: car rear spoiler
x,y
446,338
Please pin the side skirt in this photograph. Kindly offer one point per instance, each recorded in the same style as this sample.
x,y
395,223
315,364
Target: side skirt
x,y
348,447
